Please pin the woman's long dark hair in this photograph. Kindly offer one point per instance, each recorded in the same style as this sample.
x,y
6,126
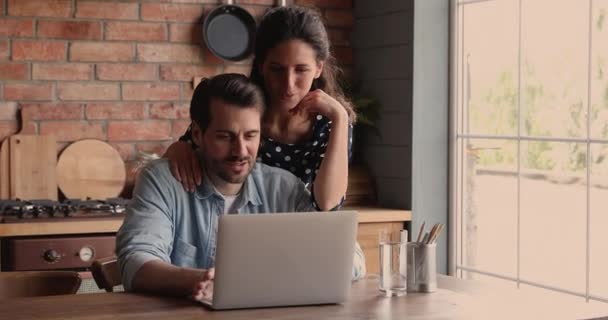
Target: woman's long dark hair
x,y
287,23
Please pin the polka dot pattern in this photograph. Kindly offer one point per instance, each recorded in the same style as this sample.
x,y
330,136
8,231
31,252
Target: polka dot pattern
x,y
303,159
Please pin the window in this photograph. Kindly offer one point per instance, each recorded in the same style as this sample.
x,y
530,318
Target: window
x,y
530,143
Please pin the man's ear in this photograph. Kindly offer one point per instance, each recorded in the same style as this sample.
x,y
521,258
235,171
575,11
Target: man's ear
x,y
197,134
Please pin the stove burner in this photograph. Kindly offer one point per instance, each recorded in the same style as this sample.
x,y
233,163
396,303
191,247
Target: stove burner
x,y
43,208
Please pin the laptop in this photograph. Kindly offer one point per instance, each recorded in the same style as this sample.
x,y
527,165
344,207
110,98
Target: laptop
x,y
283,259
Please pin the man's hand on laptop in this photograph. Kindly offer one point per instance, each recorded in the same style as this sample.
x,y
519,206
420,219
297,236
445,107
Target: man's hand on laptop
x,y
203,290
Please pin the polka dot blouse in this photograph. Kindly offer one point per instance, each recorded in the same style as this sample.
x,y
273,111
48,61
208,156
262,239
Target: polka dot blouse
x,y
303,159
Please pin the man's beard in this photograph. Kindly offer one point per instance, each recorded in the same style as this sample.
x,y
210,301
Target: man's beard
x,y
226,174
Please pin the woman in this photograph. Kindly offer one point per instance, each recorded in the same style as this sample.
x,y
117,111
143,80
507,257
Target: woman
x,y
307,127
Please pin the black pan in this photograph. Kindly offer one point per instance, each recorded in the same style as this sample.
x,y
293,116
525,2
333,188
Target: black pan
x,y
229,32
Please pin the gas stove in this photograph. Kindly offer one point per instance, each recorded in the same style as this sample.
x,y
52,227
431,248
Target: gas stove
x,y
56,251
41,210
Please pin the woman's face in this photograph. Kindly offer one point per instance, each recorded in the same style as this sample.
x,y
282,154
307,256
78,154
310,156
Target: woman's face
x,y
289,70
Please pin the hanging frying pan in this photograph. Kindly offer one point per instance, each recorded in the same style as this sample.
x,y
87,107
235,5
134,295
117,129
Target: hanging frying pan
x,y
229,32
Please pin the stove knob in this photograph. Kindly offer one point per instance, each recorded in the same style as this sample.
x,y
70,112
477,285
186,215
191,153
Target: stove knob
x,y
51,256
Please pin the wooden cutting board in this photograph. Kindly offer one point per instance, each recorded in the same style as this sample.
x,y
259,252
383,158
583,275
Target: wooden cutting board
x,y
32,162
90,168
4,171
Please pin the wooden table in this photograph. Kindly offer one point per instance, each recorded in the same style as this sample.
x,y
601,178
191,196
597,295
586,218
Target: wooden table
x,y
455,299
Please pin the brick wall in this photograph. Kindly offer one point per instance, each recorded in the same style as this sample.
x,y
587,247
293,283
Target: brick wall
x,y
117,71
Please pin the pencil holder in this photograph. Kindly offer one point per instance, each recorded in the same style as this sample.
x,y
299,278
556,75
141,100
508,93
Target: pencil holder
x,y
421,267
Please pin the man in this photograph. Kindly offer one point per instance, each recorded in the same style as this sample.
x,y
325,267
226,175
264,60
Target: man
x,y
167,241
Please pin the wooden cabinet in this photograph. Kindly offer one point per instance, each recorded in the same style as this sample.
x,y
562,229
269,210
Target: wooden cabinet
x,y
372,221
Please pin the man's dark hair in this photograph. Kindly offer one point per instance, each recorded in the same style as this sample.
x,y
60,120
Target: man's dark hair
x,y
232,88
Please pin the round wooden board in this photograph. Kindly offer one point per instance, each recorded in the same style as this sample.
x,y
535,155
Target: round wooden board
x,y
90,168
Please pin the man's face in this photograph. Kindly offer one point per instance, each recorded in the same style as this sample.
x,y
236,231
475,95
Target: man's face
x,y
230,143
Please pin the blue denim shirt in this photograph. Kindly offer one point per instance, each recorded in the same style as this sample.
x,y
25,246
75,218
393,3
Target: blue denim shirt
x,y
165,222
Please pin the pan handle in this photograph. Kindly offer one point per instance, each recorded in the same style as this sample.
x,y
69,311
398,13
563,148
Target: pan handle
x,y
230,2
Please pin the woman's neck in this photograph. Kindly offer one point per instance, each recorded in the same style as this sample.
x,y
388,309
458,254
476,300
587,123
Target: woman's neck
x,y
285,127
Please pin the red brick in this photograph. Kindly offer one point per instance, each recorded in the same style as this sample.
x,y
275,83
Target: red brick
x,y
238,68
169,53
339,18
8,111
150,91
38,50
13,71
186,72
344,55
126,150
112,110
38,8
170,111
4,49
171,12
339,37
179,128
61,71
215,3
73,130
106,10
16,28
121,71
136,31
187,33
139,130
187,91
28,91
7,128
258,2
210,58
88,91
51,111
158,148
73,30
101,51
256,11
343,4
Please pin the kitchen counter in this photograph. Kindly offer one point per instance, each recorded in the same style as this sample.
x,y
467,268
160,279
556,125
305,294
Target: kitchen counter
x,y
62,226
372,221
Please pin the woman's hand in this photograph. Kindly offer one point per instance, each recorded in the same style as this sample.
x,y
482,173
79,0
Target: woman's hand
x,y
317,101
184,165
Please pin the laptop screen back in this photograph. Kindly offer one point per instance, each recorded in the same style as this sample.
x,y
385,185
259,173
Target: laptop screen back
x,y
284,259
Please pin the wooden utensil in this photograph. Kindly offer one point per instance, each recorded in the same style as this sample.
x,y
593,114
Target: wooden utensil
x,y
32,162
438,232
4,171
420,232
432,233
90,168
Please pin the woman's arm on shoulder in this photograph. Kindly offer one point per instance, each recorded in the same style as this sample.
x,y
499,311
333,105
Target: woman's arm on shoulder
x,y
183,162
